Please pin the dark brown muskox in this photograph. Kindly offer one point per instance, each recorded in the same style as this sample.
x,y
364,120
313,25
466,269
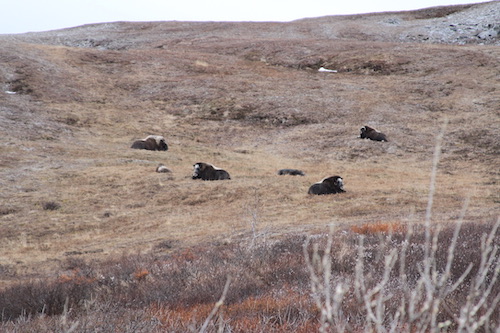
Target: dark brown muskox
x,y
330,185
370,133
207,171
291,172
151,142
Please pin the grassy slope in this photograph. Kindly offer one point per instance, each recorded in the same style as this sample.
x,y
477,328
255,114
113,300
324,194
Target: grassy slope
x,y
251,104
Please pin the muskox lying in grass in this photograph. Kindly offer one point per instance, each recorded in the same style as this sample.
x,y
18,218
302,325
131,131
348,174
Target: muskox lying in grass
x,y
368,132
291,172
330,185
162,168
152,142
207,171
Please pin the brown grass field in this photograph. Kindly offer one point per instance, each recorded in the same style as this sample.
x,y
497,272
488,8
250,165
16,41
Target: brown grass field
x,y
246,97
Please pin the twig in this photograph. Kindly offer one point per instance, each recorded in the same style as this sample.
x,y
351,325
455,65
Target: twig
x,y
217,305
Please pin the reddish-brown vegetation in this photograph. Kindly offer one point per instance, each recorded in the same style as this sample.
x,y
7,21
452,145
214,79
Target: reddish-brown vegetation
x,y
378,227
270,287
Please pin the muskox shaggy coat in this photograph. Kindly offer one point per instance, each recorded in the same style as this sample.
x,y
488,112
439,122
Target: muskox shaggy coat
x,y
291,172
368,132
152,142
207,171
162,168
330,185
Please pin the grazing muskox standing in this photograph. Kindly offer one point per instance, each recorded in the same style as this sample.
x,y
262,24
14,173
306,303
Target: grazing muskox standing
x,y
330,185
151,142
207,171
370,133
292,172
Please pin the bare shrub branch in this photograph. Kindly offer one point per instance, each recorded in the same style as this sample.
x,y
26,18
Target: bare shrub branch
x,y
328,299
217,305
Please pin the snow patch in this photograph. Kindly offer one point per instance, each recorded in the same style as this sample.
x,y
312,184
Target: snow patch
x,y
325,70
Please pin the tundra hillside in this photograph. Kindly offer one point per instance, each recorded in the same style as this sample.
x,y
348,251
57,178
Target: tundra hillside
x,y
248,98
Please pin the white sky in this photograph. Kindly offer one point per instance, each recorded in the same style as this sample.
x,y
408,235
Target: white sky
x,y
19,16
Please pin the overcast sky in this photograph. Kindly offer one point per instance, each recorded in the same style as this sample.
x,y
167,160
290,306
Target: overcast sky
x,y
19,16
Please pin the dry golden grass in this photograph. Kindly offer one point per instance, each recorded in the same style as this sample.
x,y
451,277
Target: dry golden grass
x,y
250,106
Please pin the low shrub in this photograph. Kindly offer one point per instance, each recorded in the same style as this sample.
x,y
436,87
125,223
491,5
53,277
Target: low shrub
x,y
51,205
341,281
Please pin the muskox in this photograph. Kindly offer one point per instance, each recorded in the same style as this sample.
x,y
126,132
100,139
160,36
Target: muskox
x,y
207,171
291,172
370,133
162,168
330,185
151,142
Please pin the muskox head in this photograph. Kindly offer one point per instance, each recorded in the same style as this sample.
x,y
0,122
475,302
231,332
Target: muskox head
x,y
161,144
368,132
330,185
207,171
151,142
